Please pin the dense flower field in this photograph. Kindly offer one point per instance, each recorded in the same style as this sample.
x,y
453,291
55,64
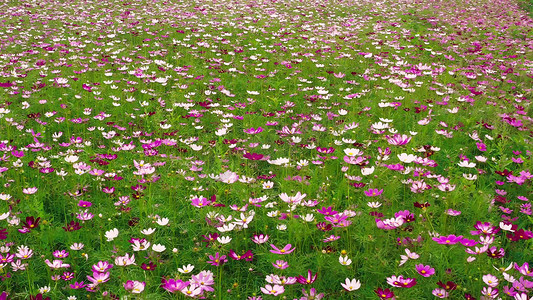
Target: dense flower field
x,y
312,149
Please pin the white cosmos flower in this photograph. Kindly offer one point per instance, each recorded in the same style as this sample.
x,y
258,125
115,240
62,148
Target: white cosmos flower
x,y
162,221
351,284
186,269
470,176
268,185
196,147
506,227
481,158
466,164
226,227
111,234
344,260
71,158
367,171
224,239
281,227
406,158
374,204
148,231
352,151
159,248
309,218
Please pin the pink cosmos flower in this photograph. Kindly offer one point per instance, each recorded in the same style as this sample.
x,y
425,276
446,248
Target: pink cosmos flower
x,y
217,260
524,269
490,280
98,278
373,192
307,280
200,202
253,130
440,293
398,140
56,264
400,281
134,286
125,260
273,290
286,250
425,271
331,238
448,240
30,191
173,285
228,177
280,264
452,212
204,280
260,239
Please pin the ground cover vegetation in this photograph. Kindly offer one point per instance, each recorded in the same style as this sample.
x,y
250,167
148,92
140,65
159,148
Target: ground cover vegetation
x,y
265,149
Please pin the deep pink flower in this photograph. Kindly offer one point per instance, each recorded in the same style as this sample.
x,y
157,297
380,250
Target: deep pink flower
x,y
400,281
286,250
425,271
307,280
373,192
448,240
217,260
173,285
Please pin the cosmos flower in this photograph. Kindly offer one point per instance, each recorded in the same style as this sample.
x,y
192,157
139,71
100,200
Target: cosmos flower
x,y
285,250
217,260
448,240
307,280
351,284
174,285
425,271
400,281
274,290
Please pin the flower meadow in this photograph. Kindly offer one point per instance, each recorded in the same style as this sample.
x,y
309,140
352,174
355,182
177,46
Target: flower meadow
x,y
267,149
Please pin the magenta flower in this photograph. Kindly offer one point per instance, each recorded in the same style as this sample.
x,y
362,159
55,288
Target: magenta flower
x,y
400,281
448,240
286,250
494,252
425,271
373,192
327,211
248,256
253,130
307,280
468,242
253,156
78,285
200,202
217,260
173,285
484,228
481,146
